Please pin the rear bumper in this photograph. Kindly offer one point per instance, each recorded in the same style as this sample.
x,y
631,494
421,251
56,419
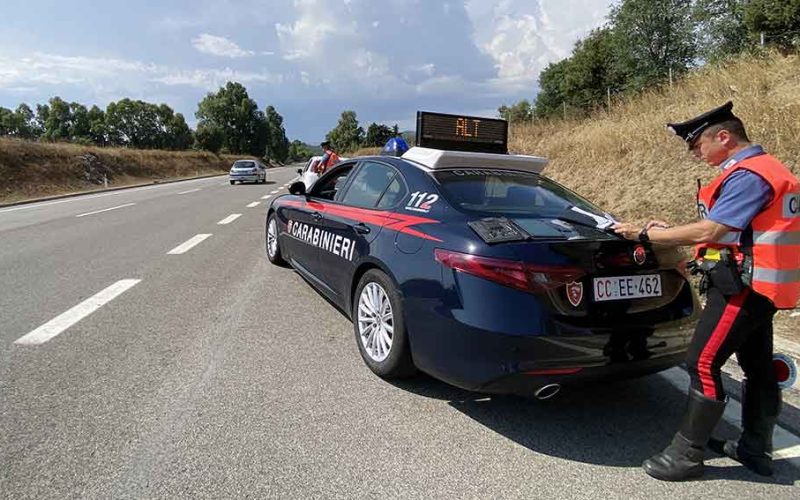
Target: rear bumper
x,y
246,178
476,353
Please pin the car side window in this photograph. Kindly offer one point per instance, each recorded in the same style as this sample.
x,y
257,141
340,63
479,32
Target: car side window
x,y
369,183
329,185
393,194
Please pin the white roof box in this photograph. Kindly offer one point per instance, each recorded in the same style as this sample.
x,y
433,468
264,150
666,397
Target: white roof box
x,y
437,159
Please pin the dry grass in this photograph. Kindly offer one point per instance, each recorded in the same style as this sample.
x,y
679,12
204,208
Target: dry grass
x,y
365,152
627,162
31,169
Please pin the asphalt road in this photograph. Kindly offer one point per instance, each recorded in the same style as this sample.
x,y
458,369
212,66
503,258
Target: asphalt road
x,y
211,373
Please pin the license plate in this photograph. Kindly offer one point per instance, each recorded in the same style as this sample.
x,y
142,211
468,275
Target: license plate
x,y
627,287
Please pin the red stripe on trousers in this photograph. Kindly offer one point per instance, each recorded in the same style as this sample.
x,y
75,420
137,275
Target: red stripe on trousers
x,y
717,338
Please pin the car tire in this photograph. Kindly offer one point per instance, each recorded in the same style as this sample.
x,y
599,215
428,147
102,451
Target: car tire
x,y
272,242
233,182
377,291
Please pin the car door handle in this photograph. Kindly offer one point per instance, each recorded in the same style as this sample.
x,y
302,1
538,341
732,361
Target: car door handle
x,y
362,228
316,215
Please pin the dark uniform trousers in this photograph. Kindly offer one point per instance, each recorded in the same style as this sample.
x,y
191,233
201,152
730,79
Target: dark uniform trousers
x,y
740,324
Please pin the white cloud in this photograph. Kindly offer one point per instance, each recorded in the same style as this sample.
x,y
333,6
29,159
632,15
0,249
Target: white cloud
x,y
215,78
219,46
523,37
56,69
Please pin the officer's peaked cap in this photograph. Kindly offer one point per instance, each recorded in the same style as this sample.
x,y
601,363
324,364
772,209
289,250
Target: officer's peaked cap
x,y
690,130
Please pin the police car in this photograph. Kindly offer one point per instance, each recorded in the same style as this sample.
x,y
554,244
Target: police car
x,y
465,262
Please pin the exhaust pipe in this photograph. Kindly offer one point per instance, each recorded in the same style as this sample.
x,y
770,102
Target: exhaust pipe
x,y
547,391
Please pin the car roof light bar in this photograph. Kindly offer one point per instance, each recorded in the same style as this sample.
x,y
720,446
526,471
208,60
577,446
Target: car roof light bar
x,y
438,159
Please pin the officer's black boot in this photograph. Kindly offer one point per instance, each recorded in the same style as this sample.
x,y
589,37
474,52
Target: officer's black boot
x,y
760,409
683,458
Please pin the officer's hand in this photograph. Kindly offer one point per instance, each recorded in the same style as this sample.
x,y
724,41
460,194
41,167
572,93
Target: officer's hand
x,y
657,223
627,230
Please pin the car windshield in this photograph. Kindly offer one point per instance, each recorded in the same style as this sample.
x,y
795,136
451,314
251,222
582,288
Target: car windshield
x,y
505,192
244,164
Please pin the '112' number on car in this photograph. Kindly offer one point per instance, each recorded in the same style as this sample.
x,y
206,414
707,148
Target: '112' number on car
x,y
421,202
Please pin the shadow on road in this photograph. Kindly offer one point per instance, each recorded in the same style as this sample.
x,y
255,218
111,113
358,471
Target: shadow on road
x,y
618,424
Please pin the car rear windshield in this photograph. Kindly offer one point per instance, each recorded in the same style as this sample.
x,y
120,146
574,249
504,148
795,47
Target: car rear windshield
x,y
244,164
505,192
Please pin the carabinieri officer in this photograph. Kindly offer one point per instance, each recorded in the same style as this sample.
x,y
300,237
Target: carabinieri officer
x,y
748,249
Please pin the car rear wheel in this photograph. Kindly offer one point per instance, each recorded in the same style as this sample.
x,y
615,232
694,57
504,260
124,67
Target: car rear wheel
x,y
273,247
379,327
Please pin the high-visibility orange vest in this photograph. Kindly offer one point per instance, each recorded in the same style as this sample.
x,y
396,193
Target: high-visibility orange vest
x,y
332,160
776,230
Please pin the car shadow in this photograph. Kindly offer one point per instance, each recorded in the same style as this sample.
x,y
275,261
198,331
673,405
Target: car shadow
x,y
618,424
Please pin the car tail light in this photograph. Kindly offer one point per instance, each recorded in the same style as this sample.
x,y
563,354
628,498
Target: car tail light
x,y
515,274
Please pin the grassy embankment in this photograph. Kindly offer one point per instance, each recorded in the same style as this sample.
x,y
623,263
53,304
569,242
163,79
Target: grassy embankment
x,y
627,162
32,169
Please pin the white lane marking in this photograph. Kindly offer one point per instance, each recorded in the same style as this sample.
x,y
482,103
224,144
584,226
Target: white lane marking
x,y
105,210
92,196
190,191
785,444
265,196
254,204
229,219
60,323
273,192
188,244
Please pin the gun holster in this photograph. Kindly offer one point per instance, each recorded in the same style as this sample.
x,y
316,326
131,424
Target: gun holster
x,y
725,274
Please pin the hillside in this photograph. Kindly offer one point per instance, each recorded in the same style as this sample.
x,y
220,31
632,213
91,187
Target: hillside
x,y
31,169
626,161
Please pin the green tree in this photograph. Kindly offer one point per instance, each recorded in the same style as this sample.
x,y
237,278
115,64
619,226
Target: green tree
x,y
650,38
552,94
178,134
779,20
6,121
519,112
79,124
347,136
97,126
58,124
237,116
277,143
209,137
721,29
298,151
377,135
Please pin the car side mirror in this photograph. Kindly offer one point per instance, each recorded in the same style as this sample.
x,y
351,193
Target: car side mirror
x,y
300,171
297,188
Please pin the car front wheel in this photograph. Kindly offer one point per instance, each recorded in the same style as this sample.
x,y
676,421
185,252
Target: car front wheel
x,y
233,182
273,247
379,327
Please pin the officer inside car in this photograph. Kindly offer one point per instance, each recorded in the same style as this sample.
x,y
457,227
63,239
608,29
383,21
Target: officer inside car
x,y
748,252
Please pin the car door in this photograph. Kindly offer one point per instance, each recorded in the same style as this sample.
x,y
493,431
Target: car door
x,y
306,233
355,220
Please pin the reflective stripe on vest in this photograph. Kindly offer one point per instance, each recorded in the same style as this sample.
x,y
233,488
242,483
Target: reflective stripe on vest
x,y
776,237
776,230
775,276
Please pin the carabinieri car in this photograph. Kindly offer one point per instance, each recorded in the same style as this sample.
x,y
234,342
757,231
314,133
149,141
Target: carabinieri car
x,y
465,262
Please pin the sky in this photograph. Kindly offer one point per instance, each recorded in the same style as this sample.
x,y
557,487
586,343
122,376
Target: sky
x,y
311,59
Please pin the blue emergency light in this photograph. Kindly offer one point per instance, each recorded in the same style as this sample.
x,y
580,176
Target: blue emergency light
x,y
395,146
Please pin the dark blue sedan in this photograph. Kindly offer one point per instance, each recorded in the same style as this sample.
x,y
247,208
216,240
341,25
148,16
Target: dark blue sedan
x,y
475,268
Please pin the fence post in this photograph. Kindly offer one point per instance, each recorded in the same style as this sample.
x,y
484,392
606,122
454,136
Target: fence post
x,y
105,181
565,109
608,97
